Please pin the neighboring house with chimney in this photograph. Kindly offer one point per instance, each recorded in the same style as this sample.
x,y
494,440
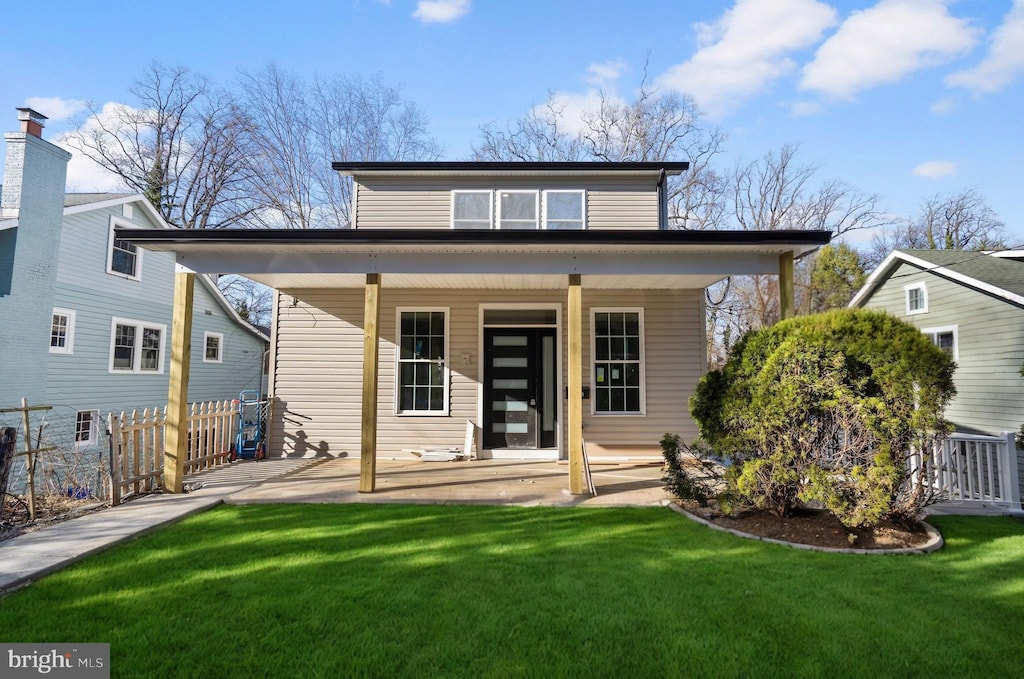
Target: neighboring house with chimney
x,y
85,318
971,305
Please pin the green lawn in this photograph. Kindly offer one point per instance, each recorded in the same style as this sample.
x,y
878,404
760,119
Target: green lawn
x,y
391,591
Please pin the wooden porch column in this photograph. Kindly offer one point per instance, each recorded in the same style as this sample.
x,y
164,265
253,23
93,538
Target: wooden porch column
x,y
176,424
577,477
787,300
368,436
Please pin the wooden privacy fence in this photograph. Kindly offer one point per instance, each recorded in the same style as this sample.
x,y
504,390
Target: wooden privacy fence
x,y
137,445
974,471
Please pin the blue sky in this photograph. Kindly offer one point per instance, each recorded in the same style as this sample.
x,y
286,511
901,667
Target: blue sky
x,y
904,98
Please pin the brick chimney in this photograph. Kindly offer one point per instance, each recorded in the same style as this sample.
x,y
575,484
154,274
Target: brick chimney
x,y
35,171
32,122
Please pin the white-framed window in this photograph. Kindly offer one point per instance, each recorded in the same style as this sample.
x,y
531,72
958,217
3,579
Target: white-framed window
x,y
617,347
945,338
565,209
917,298
213,347
123,258
136,346
421,371
472,209
518,209
62,331
87,427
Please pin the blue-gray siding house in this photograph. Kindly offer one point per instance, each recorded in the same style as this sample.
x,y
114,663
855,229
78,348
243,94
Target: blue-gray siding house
x,y
85,319
971,304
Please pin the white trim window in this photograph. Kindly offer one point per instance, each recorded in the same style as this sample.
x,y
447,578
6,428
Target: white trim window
x,y
617,347
124,259
917,298
945,338
213,347
472,209
87,427
62,331
518,209
565,210
136,346
421,372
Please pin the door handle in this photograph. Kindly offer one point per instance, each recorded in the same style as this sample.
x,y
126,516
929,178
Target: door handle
x,y
533,401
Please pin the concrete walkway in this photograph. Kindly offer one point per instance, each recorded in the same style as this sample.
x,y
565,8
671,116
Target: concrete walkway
x,y
504,482
30,556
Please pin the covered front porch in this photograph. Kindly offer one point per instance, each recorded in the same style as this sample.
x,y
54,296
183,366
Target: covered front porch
x,y
563,263
485,482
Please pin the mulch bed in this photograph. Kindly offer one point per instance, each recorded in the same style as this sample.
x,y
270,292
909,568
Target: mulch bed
x,y
818,528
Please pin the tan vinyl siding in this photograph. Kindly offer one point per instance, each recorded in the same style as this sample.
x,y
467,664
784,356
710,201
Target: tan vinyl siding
x,y
318,371
388,203
990,389
673,363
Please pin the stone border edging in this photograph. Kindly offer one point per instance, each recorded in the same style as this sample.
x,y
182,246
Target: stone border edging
x,y
935,541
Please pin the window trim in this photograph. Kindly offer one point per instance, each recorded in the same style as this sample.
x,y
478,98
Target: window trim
x,y
69,332
642,363
583,206
94,434
445,411
117,222
220,346
490,208
933,333
137,360
924,297
536,219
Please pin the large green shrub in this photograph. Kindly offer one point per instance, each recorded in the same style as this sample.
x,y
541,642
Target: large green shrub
x,y
827,408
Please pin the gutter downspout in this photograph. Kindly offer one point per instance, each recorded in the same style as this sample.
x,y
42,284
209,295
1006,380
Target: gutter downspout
x,y
662,202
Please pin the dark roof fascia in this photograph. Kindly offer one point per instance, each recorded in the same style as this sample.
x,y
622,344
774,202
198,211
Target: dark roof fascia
x,y
484,167
481,237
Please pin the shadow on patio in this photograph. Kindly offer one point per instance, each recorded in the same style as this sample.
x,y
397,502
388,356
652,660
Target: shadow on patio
x,y
498,482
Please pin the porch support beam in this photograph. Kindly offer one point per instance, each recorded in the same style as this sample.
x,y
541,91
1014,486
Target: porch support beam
x,y
577,476
787,299
176,423
371,342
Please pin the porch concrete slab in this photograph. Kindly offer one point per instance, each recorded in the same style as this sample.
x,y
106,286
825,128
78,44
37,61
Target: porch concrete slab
x,y
30,556
497,482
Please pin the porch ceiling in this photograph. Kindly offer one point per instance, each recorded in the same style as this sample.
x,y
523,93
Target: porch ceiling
x,y
483,259
496,281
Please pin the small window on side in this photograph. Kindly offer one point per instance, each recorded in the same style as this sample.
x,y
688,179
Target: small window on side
x,y
62,331
917,298
213,346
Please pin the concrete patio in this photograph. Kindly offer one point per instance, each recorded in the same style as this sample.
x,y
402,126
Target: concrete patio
x,y
502,482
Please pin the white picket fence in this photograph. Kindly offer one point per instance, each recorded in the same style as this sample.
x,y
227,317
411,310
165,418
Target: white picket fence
x,y
137,445
975,472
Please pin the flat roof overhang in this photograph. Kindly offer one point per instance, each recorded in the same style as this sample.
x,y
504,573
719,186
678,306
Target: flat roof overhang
x,y
607,259
507,169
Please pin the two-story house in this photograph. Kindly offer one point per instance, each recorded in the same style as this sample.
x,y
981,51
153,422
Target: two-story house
x,y
86,316
971,304
547,303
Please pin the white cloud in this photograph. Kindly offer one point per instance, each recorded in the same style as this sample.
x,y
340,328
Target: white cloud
x,y
1005,60
933,169
572,107
605,74
746,49
83,173
944,105
56,108
884,43
806,108
440,11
